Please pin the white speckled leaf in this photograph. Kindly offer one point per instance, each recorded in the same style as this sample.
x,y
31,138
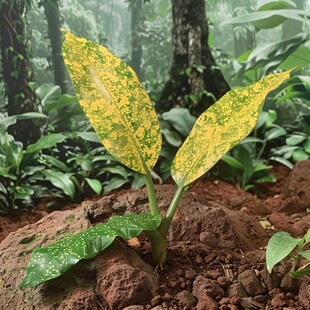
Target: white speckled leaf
x,y
55,259
115,103
221,127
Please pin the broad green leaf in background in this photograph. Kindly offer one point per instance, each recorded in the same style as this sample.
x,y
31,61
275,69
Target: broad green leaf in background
x,y
180,119
11,120
115,102
277,51
60,180
280,245
53,260
95,185
221,127
46,142
258,18
274,20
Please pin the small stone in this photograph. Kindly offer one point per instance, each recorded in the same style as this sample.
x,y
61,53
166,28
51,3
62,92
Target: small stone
x,y
134,307
207,303
250,283
190,274
155,300
279,300
224,301
203,286
271,280
222,281
210,257
186,299
289,284
236,289
213,274
198,259
304,293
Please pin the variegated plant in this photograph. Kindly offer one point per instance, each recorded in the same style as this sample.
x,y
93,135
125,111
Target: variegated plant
x,y
122,114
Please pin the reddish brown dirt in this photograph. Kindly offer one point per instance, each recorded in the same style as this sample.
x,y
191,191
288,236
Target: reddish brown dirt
x,y
198,277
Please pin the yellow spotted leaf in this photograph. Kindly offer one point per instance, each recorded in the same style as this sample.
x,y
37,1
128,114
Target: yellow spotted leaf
x,y
115,103
221,127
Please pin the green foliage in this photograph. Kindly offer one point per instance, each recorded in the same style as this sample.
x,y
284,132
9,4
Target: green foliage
x,y
282,245
297,143
20,171
244,171
215,132
68,251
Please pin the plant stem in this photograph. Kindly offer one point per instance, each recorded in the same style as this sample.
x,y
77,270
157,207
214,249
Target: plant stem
x,y
158,242
164,227
151,193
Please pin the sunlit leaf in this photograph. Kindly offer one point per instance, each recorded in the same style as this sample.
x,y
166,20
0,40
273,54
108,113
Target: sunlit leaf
x,y
221,127
55,259
302,271
280,245
95,185
115,102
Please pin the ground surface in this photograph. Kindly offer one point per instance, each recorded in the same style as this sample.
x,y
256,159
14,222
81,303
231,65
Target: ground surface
x,y
216,260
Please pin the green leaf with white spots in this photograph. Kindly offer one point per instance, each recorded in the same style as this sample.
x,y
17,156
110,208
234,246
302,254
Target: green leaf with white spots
x,y
115,102
221,127
55,259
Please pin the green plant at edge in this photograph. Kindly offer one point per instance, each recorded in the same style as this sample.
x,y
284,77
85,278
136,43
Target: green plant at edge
x,y
282,245
123,116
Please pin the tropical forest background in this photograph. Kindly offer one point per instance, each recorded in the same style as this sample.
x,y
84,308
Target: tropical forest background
x,y
187,54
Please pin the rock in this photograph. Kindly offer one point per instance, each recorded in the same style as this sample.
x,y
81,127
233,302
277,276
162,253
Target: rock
x,y
271,280
83,299
207,303
15,251
186,299
123,278
134,307
236,290
203,286
289,284
304,293
297,188
300,227
248,303
87,284
279,300
250,282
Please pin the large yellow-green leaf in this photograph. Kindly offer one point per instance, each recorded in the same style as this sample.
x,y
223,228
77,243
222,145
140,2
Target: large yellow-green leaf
x,y
115,102
221,127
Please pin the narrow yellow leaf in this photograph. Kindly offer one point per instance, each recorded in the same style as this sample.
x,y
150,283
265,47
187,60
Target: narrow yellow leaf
x,y
221,127
115,103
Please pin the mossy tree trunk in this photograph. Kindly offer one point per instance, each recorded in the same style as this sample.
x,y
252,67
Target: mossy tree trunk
x,y
193,74
16,70
51,10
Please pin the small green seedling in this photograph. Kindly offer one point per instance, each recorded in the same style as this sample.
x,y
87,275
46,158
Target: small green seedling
x,y
282,245
123,116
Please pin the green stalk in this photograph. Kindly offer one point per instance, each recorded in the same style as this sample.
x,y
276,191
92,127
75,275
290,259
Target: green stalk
x,y
151,193
164,227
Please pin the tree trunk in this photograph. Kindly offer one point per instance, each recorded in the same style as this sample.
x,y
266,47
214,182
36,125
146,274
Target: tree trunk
x,y
17,73
136,47
51,11
193,74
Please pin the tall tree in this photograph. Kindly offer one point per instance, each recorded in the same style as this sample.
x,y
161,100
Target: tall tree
x,y
193,73
16,72
51,10
136,47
